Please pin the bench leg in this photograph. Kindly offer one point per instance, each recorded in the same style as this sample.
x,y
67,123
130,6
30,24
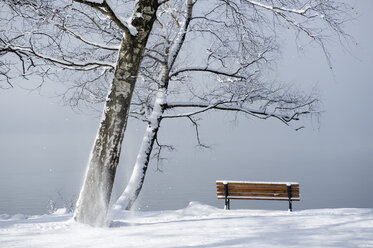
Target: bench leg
x,y
290,195
227,204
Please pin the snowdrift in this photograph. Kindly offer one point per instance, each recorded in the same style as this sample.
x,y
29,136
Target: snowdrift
x,y
197,225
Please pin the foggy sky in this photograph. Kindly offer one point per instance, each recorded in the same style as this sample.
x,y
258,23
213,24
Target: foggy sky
x,y
44,146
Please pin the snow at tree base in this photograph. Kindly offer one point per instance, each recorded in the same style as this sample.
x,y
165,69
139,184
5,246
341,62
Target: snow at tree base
x,y
197,225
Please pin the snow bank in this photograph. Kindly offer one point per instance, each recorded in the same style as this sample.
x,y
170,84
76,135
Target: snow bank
x,y
197,225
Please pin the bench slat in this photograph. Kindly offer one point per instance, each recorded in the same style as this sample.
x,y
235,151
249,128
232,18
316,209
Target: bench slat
x,y
251,189
280,186
260,198
294,194
269,184
258,194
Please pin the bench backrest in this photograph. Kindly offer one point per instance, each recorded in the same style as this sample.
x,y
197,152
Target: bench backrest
x,y
248,190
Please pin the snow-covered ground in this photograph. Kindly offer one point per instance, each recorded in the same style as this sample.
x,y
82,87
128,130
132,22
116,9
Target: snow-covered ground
x,y
197,225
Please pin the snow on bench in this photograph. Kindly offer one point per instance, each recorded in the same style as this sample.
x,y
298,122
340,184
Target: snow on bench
x,y
248,190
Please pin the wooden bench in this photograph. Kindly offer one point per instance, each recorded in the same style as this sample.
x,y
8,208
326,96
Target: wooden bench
x,y
246,190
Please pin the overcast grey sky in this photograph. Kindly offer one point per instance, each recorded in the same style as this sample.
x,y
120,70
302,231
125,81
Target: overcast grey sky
x,y
44,146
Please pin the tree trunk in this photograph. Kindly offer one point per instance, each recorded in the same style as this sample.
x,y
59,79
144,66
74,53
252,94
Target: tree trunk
x,y
95,195
132,191
134,186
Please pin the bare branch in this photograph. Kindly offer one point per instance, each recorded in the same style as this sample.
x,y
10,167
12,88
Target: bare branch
x,y
161,2
195,124
7,79
105,9
157,154
205,69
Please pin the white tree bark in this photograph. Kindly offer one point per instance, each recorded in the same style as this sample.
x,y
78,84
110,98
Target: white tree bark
x,y
132,191
134,186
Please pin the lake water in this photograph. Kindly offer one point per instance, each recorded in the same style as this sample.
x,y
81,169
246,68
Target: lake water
x,y
30,191
43,158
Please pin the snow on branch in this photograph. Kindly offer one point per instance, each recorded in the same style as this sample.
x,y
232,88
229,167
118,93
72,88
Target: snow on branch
x,y
105,8
330,13
179,41
90,43
236,107
279,9
68,64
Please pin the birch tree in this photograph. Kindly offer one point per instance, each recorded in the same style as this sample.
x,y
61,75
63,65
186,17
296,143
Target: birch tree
x,y
99,41
213,56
